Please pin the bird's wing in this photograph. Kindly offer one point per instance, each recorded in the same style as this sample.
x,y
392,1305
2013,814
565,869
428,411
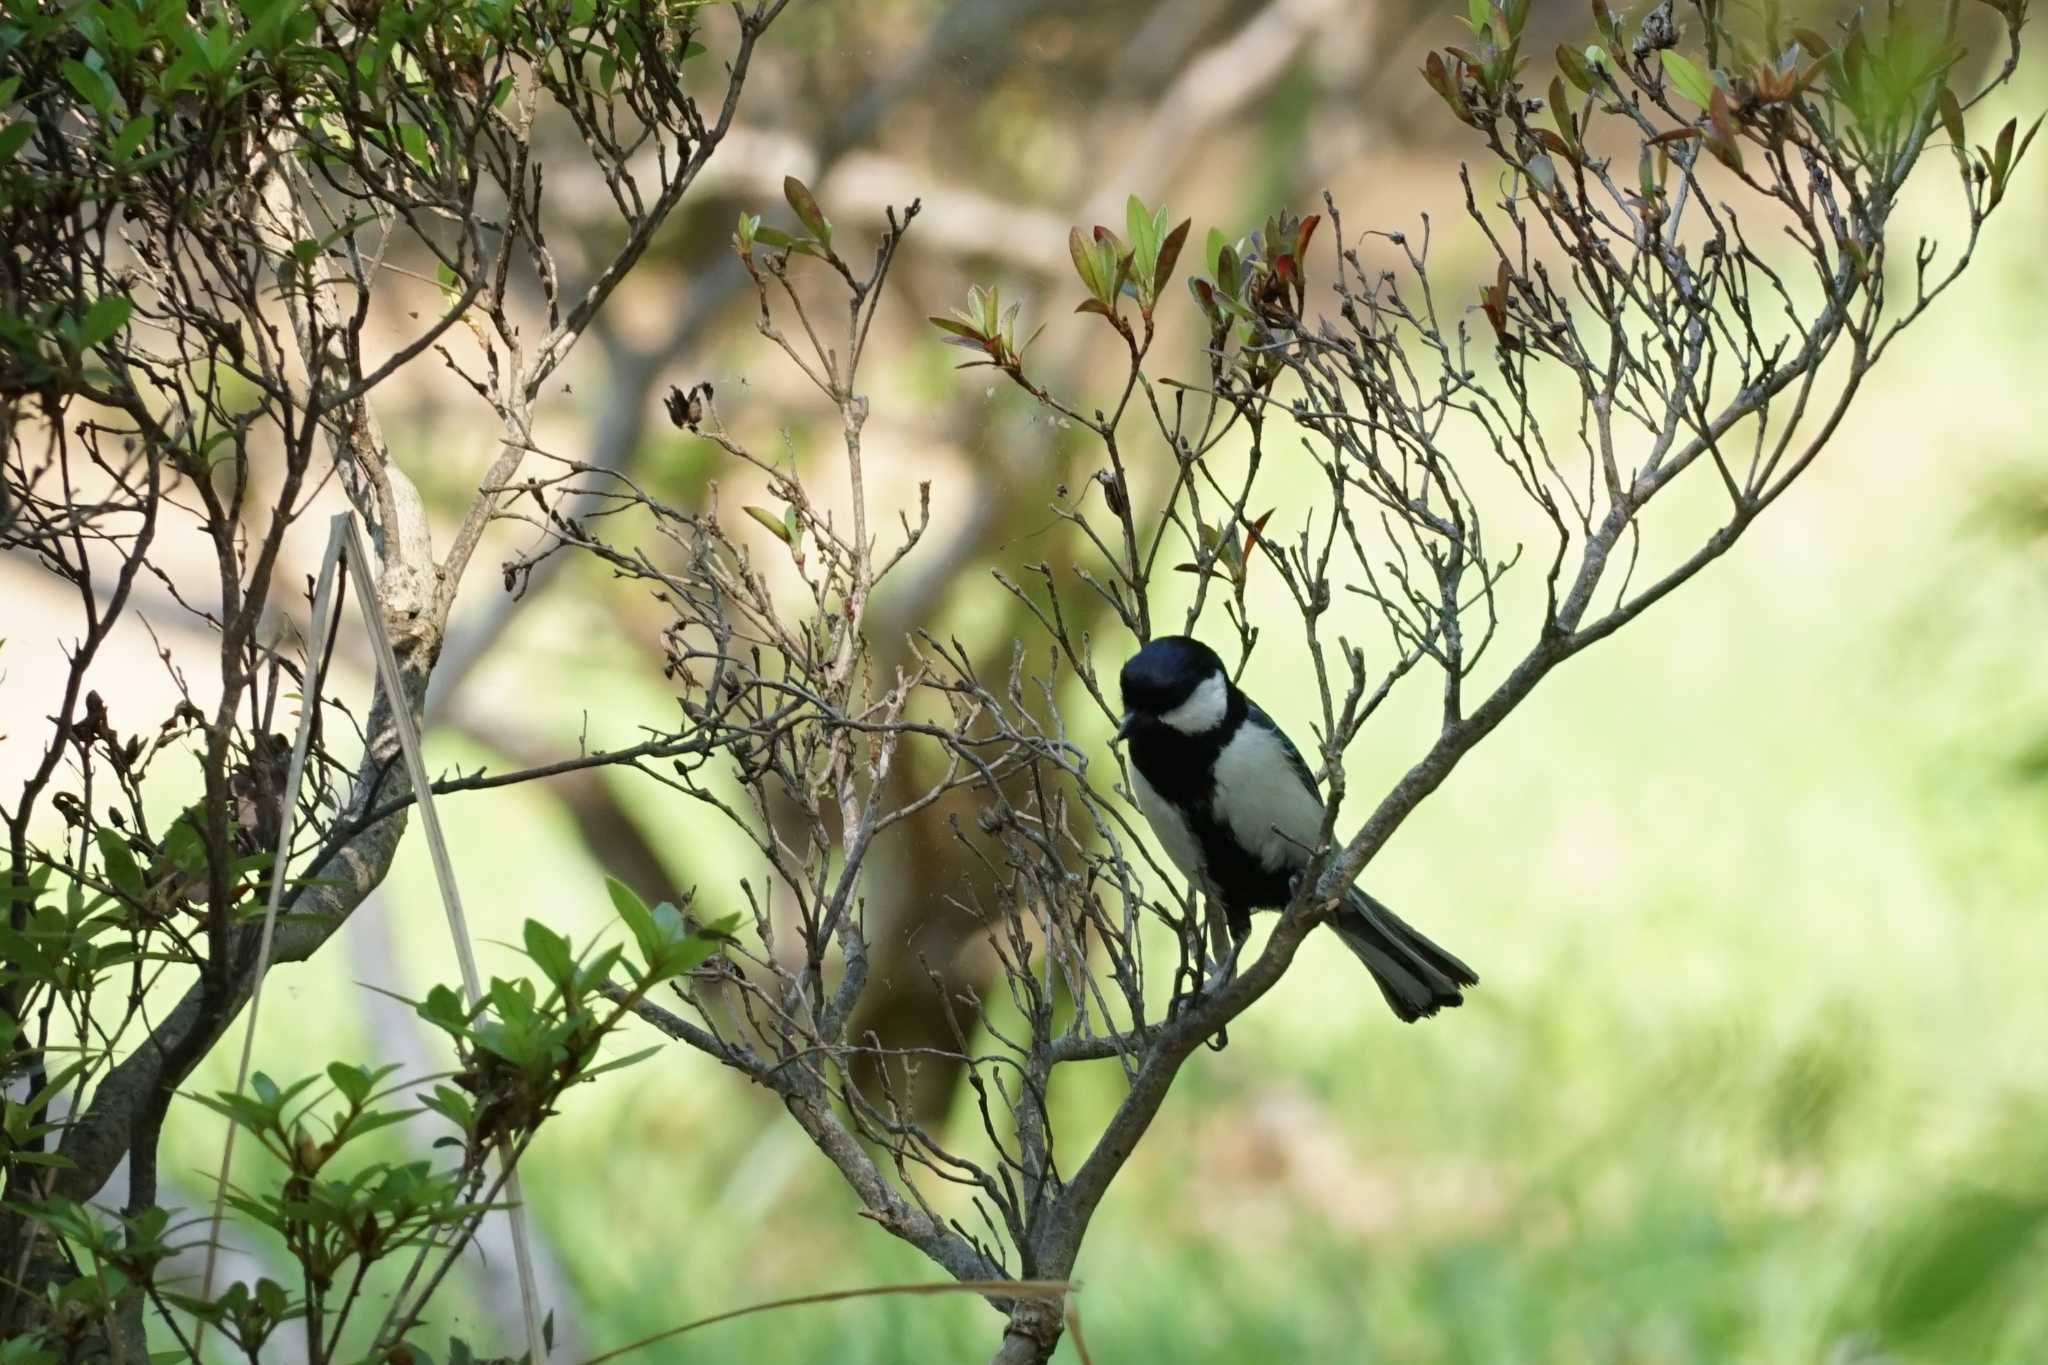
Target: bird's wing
x,y
1294,758
1266,794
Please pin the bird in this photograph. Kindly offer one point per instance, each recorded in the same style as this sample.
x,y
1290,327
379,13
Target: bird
x,y
1231,801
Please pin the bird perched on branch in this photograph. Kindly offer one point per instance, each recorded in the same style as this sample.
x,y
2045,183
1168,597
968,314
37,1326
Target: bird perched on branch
x,y
1237,810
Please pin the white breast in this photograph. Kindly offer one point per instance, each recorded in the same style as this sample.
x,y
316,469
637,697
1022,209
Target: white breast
x,y
1169,826
1262,800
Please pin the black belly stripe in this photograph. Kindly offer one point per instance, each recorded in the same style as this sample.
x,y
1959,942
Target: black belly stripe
x,y
1182,769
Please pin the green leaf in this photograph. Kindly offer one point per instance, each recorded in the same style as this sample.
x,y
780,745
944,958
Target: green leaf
x,y
639,921
94,87
1561,113
1687,78
13,138
769,520
1575,67
444,1009
1971,1251
131,139
413,138
690,953
550,952
108,315
1138,221
986,306
642,1055
1084,261
28,888
352,1081
1146,229
452,1105
1477,12
120,863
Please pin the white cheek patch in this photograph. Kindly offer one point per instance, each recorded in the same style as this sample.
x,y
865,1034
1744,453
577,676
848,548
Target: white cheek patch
x,y
1203,710
1262,801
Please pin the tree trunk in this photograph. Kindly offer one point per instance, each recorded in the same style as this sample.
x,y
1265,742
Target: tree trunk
x,y
1033,1332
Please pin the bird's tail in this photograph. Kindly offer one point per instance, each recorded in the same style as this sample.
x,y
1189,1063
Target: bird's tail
x,y
1417,977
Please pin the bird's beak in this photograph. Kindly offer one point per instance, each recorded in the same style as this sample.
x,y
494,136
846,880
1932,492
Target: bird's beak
x,y
1123,731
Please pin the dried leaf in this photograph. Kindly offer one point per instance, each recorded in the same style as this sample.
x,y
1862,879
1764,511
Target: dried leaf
x,y
1251,535
1302,236
1951,115
1815,45
806,209
1726,152
1169,256
2027,141
1113,491
1721,114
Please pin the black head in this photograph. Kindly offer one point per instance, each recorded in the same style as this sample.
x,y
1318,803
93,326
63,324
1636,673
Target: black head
x,y
1160,679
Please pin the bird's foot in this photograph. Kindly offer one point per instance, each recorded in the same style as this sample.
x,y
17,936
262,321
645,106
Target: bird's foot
x,y
1223,971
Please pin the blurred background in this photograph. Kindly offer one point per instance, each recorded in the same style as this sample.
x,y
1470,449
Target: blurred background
x,y
1755,887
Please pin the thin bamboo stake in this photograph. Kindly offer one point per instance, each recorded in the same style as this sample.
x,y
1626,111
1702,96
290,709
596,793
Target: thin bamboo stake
x,y
451,899
309,702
